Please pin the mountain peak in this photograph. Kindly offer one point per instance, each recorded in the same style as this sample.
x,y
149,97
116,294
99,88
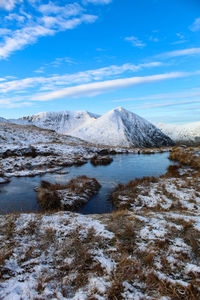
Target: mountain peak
x,y
118,127
119,108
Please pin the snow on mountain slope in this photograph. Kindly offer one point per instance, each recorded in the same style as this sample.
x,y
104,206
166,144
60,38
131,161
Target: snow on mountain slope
x,y
2,120
62,122
182,133
26,135
119,127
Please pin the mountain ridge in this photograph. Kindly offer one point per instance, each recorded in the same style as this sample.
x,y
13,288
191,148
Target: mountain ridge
x,y
118,127
122,127
180,133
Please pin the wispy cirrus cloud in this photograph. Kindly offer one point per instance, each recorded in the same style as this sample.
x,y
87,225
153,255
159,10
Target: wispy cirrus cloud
x,y
195,26
180,98
96,88
195,92
135,42
53,82
56,63
181,39
9,4
20,38
26,89
15,17
68,10
97,1
167,104
42,20
182,52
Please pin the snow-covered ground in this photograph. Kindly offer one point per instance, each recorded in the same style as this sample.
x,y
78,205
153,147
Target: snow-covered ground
x,y
30,134
124,255
165,193
182,133
27,150
150,250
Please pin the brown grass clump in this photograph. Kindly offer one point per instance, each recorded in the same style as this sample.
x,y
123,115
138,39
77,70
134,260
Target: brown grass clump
x,y
101,160
126,270
186,156
50,199
129,191
172,290
173,171
81,183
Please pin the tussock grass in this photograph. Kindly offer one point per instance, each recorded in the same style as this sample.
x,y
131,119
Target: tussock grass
x,y
101,160
186,156
130,191
49,197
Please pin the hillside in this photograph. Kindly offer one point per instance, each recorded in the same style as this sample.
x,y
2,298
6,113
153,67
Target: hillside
x,y
63,122
118,127
121,127
187,133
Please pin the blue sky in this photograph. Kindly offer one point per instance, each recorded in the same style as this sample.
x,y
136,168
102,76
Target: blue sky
x,y
95,55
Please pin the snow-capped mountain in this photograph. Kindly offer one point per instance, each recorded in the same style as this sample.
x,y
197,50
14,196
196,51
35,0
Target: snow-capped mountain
x,y
189,133
63,122
118,127
2,120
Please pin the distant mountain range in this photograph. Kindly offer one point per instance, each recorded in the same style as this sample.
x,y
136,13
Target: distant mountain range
x,y
2,120
118,127
187,133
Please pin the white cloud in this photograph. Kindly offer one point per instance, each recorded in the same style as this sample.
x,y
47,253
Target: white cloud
x,y
30,34
24,88
5,31
104,86
15,17
135,41
181,39
67,10
196,25
176,53
53,82
165,96
59,60
167,104
44,20
22,37
97,1
180,35
8,4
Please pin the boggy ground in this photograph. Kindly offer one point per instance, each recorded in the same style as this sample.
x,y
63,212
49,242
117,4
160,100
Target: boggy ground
x,y
147,250
68,196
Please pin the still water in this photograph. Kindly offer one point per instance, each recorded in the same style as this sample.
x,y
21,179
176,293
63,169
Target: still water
x,y
19,194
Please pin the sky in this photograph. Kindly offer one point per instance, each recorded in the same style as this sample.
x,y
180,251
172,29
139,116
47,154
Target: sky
x,y
96,55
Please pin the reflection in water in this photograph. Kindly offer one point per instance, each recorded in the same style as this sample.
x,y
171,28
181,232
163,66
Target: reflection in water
x,y
19,194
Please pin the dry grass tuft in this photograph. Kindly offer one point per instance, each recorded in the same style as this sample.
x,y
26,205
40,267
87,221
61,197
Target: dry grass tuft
x,y
50,199
130,191
186,156
101,160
